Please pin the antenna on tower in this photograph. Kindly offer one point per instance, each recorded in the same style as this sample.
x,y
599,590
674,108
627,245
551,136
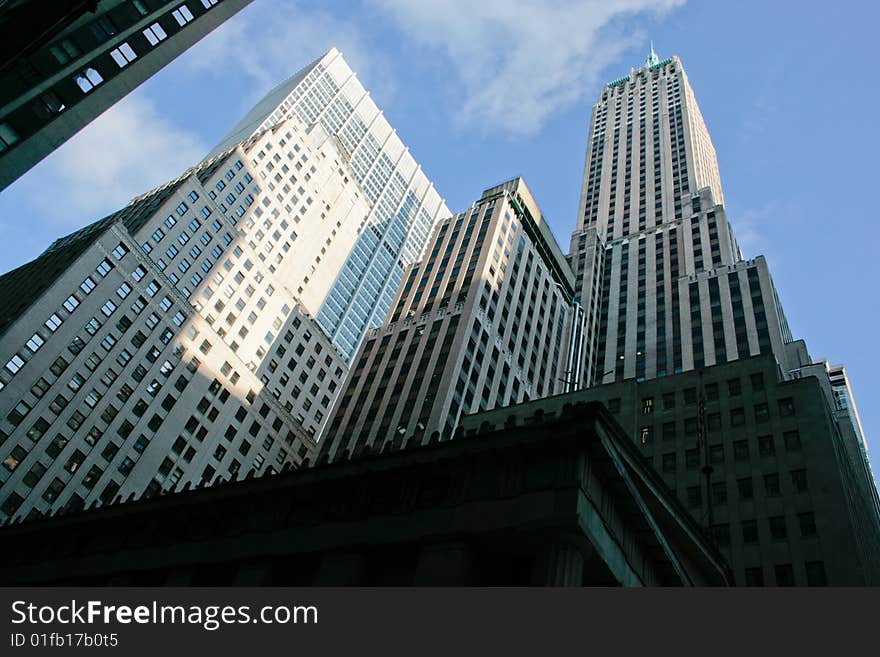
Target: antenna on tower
x,y
653,59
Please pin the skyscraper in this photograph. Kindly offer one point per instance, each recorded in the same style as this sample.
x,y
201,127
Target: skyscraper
x,y
70,60
659,272
179,340
485,320
404,206
679,325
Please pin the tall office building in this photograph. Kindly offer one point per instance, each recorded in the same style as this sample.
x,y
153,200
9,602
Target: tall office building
x,y
69,60
178,340
404,206
659,272
485,320
679,323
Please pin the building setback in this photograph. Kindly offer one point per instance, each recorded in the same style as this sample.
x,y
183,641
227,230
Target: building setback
x,y
71,60
784,501
484,320
668,297
659,273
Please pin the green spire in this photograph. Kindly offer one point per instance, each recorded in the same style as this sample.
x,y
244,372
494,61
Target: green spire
x,y
653,59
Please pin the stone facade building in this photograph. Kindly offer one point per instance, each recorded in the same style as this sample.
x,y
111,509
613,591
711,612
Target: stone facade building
x,y
185,337
783,500
485,320
548,501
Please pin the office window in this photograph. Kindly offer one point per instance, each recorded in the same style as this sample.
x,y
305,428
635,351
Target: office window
x,y
53,490
123,55
103,28
771,485
734,388
786,407
711,391
784,575
799,480
719,493
53,322
692,458
35,342
750,532
816,573
778,529
757,380
744,486
721,534
74,461
182,15
64,51
737,417
88,79
154,34
19,412
669,462
762,412
120,251
741,450
70,304
14,458
33,475
792,440
48,104
92,477
807,522
14,364
766,446
713,422
647,405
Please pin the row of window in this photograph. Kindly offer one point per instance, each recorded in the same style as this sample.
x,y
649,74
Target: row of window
x,y
691,395
776,528
741,453
745,488
55,320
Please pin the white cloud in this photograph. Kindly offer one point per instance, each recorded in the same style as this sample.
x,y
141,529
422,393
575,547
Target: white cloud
x,y
124,152
270,40
756,227
521,60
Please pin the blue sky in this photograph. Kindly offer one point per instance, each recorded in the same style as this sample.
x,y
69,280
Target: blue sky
x,y
484,91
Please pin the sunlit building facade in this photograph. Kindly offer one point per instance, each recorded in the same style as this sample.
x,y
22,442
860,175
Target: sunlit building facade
x,y
404,206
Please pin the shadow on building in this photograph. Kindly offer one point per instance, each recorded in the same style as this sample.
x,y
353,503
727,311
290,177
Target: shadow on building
x,y
552,499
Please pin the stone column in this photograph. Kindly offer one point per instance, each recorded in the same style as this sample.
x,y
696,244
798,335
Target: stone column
x,y
560,563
